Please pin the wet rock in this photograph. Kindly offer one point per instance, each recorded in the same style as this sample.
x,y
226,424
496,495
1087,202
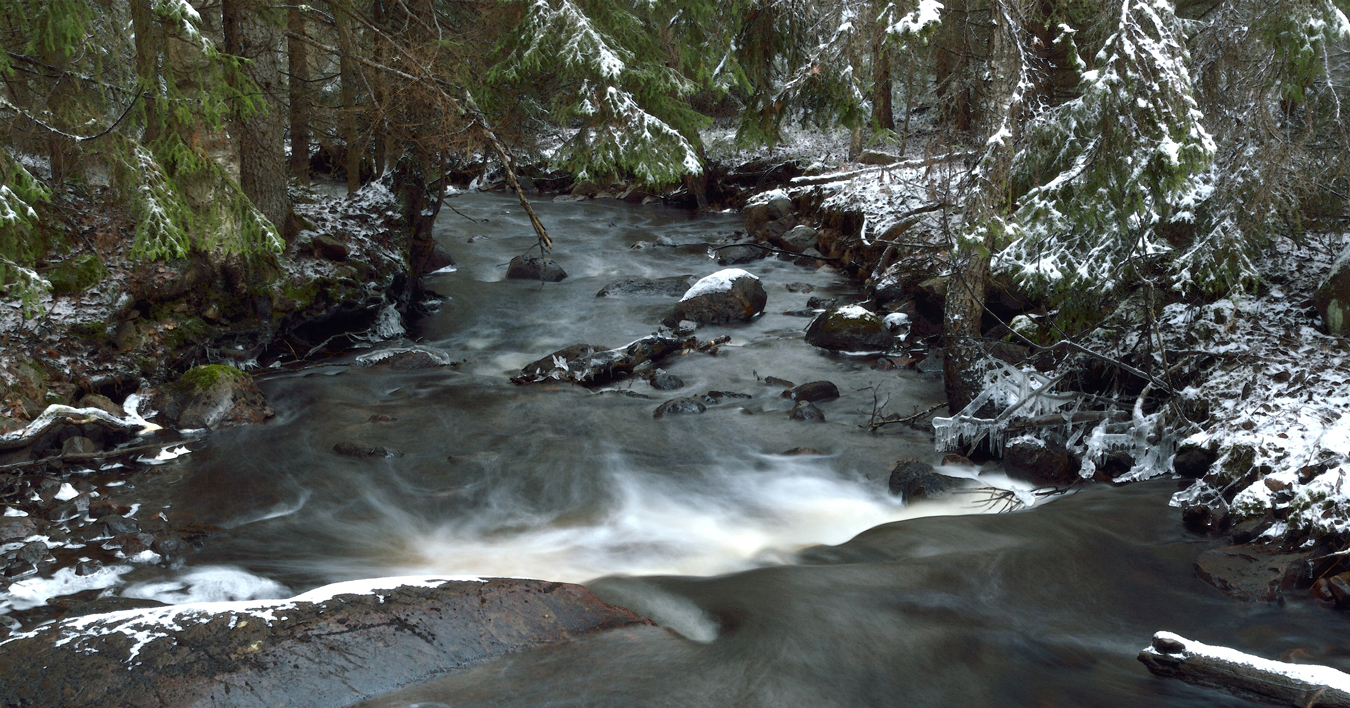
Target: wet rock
x,y
797,239
953,458
725,296
816,302
88,567
775,381
1192,462
801,313
351,449
1248,573
851,329
330,248
662,381
679,406
799,451
16,528
79,445
1040,461
102,403
912,480
800,287
813,391
717,396
381,418
684,328
414,360
115,525
329,651
663,287
738,254
1332,298
589,365
807,412
212,396
534,268
765,208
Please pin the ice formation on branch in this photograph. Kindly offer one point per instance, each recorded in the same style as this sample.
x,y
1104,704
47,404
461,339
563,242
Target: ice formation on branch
x,y
1029,405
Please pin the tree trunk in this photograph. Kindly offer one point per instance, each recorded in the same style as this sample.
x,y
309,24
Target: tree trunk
x,y
883,109
298,58
147,65
61,150
379,127
259,136
963,363
347,68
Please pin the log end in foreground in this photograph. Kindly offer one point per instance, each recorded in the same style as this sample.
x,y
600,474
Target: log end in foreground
x,y
1302,685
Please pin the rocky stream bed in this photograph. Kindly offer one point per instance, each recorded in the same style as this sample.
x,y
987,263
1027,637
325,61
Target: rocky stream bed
x,y
678,414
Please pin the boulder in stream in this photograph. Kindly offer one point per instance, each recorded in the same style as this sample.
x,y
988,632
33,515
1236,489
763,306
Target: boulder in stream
x,y
589,365
663,381
850,328
211,396
333,646
1046,462
807,412
813,391
797,239
725,296
534,268
679,406
912,480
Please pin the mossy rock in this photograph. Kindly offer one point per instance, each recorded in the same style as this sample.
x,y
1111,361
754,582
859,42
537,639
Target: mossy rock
x,y
202,378
212,396
76,274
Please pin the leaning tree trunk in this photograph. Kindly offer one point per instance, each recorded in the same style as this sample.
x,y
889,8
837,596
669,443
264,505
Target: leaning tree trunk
x,y
963,363
260,135
298,83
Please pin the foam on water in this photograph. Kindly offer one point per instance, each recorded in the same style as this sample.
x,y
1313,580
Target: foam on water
x,y
723,521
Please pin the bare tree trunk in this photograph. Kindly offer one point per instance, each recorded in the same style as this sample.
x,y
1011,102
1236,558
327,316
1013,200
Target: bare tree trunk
x,y
963,363
298,82
260,136
347,68
147,65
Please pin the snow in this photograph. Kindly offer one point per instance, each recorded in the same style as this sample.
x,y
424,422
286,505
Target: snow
x,y
927,14
718,282
854,312
1304,673
66,492
11,511
35,592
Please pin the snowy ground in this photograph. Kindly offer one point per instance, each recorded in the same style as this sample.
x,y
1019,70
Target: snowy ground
x,y
1279,400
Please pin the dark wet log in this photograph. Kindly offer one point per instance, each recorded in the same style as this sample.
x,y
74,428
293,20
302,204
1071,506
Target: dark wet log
x,y
1245,675
589,365
332,647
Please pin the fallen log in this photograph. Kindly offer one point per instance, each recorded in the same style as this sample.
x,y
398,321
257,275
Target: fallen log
x,y
1302,685
589,365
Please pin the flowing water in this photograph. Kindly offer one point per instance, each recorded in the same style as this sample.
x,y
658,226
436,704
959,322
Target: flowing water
x,y
779,580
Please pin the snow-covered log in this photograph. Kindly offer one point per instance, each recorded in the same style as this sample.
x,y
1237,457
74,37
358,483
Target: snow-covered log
x,y
1250,676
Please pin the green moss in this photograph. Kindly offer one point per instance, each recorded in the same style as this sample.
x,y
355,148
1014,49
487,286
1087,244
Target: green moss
x,y
202,378
189,329
95,330
76,274
303,295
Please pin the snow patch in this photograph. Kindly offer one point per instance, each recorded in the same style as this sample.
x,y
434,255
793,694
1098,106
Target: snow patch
x,y
718,282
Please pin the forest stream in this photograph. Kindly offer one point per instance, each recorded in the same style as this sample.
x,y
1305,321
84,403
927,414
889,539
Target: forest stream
x,y
776,579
